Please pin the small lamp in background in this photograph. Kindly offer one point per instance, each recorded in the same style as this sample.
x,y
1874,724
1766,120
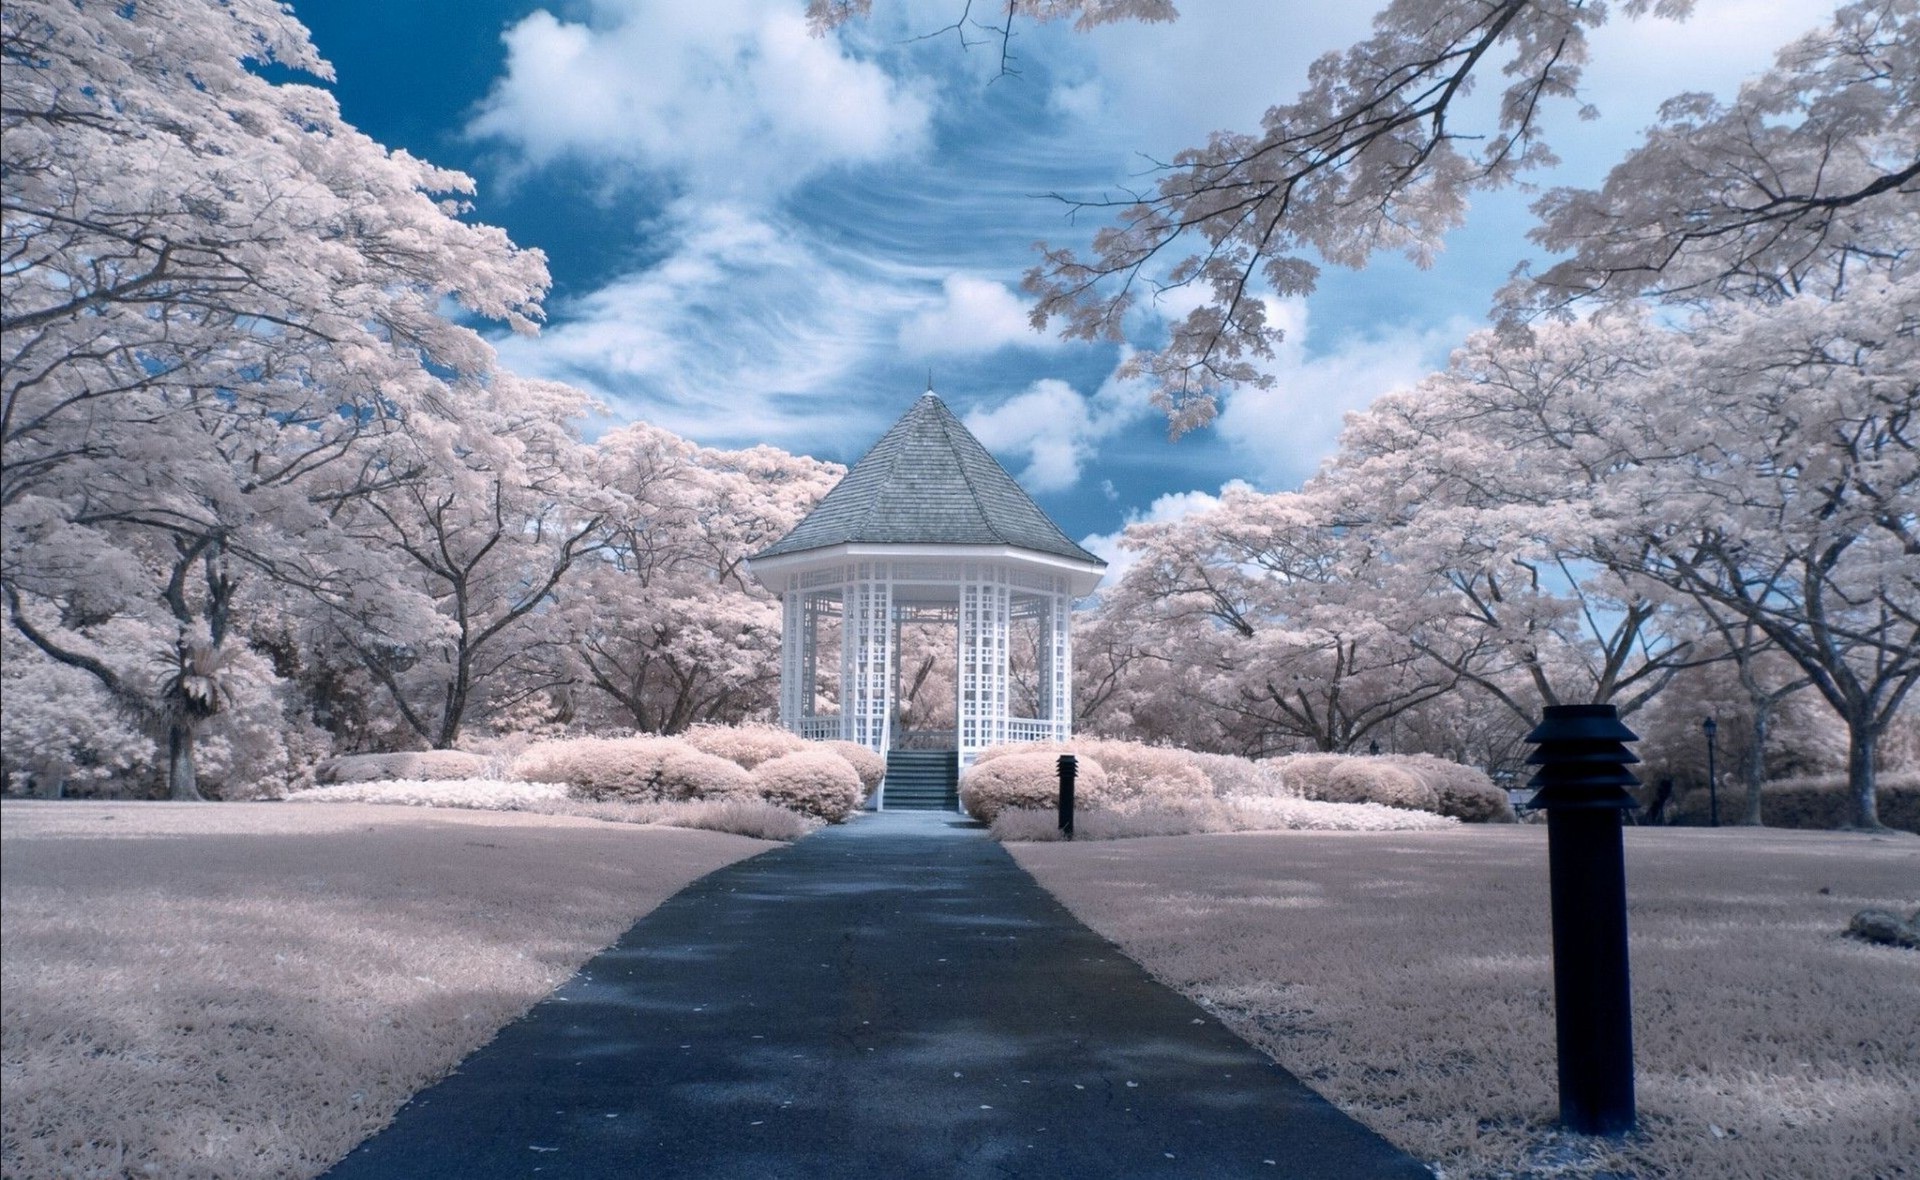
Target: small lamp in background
x,y
1712,727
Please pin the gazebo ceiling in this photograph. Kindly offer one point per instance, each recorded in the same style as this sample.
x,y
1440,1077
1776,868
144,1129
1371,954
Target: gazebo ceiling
x,y
928,481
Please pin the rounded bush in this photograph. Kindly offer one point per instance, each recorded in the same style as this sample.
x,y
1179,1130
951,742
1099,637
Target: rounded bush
x,y
1029,779
746,746
410,766
870,766
639,769
1343,778
1464,792
813,782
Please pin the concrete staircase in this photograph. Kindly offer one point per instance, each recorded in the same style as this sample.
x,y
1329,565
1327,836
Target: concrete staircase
x,y
923,780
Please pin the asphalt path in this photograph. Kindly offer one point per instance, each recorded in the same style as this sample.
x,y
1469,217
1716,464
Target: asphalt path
x,y
890,998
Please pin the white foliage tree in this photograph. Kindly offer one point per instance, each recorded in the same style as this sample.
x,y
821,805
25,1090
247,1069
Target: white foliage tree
x,y
215,289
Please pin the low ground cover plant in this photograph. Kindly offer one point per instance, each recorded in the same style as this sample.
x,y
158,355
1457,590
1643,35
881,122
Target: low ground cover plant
x,y
741,815
407,765
1236,813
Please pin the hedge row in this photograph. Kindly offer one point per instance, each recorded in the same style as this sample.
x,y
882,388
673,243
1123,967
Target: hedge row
x,y
1127,776
1819,802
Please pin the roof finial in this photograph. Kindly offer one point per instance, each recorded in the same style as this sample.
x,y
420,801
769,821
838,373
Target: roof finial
x,y
929,380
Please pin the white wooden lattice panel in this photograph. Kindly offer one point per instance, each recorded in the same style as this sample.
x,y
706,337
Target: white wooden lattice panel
x,y
795,656
985,620
866,663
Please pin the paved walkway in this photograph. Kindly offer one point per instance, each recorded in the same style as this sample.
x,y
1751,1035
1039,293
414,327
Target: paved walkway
x,y
892,998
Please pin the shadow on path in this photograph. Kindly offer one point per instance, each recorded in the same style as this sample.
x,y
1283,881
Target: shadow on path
x,y
891,998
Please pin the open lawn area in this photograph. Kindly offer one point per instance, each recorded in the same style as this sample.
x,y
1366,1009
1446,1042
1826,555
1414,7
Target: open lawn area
x,y
250,989
1407,977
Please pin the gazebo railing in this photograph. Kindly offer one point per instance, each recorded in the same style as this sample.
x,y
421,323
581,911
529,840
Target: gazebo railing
x,y
819,729
1025,729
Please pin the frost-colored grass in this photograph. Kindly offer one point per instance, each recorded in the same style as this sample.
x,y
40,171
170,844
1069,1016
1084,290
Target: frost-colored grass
x,y
1408,978
1235,813
249,989
739,815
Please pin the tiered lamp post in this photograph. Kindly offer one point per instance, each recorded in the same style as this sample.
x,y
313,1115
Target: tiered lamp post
x,y
1582,779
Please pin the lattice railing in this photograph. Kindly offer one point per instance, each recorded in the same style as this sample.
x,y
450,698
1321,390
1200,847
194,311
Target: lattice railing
x,y
1025,729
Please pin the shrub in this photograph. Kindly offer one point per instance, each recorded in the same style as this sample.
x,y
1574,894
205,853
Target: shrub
x,y
1465,793
812,782
474,794
1346,778
1814,801
1134,771
746,746
1269,813
870,766
410,766
1031,779
738,814
1253,813
1231,774
641,769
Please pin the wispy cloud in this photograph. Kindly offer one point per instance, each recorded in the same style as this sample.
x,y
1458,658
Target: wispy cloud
x,y
733,336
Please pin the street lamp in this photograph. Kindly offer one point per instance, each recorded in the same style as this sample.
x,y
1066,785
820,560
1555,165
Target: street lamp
x,y
1713,787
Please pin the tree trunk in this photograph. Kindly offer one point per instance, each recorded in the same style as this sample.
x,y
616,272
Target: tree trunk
x,y
1860,776
182,785
1756,760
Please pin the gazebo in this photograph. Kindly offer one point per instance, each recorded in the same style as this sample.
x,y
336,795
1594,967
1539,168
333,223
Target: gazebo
x,y
926,528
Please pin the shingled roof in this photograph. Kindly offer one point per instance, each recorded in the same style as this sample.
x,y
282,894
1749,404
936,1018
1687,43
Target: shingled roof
x,y
928,481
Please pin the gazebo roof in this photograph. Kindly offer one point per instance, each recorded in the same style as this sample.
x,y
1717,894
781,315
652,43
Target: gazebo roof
x,y
928,481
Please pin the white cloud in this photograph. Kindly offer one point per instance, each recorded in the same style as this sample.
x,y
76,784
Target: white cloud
x,y
1055,429
1164,510
730,96
973,316
1286,430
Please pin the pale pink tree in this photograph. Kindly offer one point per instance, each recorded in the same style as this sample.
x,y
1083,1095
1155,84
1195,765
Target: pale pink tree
x,y
491,516
215,289
665,622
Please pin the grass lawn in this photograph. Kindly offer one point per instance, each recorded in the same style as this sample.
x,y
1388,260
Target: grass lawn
x,y
1407,977
245,989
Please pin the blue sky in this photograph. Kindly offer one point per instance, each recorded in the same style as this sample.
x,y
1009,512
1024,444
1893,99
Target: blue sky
x,y
759,236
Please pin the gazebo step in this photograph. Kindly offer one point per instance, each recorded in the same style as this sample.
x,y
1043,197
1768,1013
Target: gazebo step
x,y
923,780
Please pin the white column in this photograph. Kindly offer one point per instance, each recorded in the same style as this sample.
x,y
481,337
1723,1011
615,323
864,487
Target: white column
x,y
1060,664
866,659
986,611
795,657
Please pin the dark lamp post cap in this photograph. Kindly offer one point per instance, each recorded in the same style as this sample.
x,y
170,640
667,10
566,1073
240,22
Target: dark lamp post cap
x,y
1582,759
1563,723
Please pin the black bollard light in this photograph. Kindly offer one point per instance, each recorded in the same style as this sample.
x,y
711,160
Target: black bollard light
x,y
1069,767
1582,779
